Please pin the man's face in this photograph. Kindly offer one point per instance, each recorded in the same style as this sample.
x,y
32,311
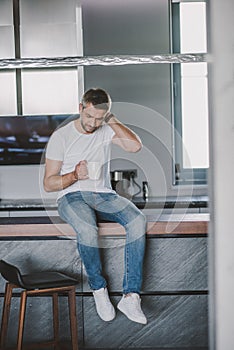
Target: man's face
x,y
91,118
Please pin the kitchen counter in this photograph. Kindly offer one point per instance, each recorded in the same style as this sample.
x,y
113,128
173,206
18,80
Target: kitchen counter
x,y
175,283
54,227
175,279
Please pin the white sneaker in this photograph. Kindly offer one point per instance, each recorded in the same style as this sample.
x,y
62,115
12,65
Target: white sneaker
x,y
130,305
104,307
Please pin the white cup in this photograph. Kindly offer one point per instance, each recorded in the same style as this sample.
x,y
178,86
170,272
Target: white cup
x,y
94,170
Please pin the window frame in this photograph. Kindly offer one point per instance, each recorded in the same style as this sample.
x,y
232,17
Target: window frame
x,y
181,176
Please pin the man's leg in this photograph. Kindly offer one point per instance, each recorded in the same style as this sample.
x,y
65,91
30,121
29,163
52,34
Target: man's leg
x,y
74,210
118,209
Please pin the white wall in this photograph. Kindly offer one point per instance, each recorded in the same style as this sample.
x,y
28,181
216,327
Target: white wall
x,y
22,182
222,169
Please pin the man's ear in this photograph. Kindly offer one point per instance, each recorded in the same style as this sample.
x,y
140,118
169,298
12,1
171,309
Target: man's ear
x,y
81,107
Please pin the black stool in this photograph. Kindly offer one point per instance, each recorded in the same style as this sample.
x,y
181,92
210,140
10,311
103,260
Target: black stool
x,y
38,283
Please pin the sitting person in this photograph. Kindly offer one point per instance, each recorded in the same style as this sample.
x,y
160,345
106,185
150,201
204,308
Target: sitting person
x,y
82,200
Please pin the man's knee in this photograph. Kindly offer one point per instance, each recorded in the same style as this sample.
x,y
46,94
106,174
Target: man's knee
x,y
136,228
141,220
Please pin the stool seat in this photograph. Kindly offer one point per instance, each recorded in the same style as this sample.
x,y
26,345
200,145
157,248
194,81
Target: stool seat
x,y
43,282
48,279
37,280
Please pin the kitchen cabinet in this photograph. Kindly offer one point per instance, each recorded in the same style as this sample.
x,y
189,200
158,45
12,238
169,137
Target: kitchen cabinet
x,y
174,292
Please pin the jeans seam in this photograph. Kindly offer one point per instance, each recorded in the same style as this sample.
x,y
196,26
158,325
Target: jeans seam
x,y
127,271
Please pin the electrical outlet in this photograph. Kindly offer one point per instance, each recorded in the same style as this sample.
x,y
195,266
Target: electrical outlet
x,y
133,172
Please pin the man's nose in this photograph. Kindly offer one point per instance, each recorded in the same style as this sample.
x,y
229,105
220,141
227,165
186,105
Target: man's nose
x,y
93,122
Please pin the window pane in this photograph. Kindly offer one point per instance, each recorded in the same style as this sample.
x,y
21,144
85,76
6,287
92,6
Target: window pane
x,y
8,93
193,27
50,91
194,69
195,122
7,49
47,11
6,12
50,28
52,40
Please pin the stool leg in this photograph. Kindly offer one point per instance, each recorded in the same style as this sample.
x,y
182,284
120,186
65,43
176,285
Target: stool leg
x,y
56,320
23,300
5,314
73,318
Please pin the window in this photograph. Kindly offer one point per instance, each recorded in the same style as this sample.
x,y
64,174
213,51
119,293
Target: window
x,y
190,94
36,29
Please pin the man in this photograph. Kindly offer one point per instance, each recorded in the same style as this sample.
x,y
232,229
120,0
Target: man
x,y
81,200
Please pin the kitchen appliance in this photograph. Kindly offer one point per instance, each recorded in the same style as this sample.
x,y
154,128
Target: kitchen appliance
x,y
124,183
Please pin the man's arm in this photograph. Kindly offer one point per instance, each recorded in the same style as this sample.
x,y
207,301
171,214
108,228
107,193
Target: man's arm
x,y
53,181
124,137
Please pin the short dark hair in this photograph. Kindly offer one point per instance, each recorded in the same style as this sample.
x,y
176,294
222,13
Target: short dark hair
x,y
98,97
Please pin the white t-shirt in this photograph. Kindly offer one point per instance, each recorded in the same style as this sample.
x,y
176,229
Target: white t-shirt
x,y
70,146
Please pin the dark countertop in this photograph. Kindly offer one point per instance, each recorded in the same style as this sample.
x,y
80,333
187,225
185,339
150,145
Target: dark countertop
x,y
172,202
151,203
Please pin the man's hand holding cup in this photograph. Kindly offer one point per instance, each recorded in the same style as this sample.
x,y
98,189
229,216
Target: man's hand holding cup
x,y
81,170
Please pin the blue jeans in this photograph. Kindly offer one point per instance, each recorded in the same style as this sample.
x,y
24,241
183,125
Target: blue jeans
x,y
82,209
